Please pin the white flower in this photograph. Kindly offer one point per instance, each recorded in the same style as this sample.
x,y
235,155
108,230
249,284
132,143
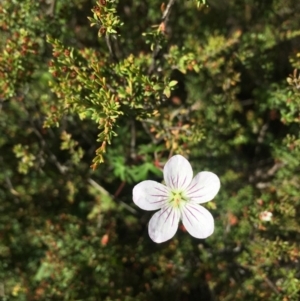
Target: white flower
x,y
266,216
177,200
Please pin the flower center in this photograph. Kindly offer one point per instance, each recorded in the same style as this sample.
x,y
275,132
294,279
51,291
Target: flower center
x,y
177,198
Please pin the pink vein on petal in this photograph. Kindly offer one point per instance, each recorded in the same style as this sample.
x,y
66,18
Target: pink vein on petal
x,y
195,196
192,212
169,214
173,218
165,195
172,180
161,190
158,201
187,217
183,181
190,188
163,211
195,191
195,208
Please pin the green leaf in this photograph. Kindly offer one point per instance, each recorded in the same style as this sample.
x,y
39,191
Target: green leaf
x,y
167,91
173,83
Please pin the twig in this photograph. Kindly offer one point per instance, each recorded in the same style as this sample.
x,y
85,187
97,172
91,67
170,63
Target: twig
x,y
12,191
105,192
262,133
111,48
271,285
62,168
51,9
2,290
11,187
167,11
133,140
164,21
119,190
147,130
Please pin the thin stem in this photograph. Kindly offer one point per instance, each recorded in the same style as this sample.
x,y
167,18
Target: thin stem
x,y
167,11
164,22
51,9
133,140
105,192
111,49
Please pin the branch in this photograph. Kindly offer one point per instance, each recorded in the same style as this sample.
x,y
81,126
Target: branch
x,y
62,168
51,9
111,48
105,192
163,24
133,140
271,285
167,11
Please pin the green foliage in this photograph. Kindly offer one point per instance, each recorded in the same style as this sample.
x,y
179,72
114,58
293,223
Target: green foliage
x,y
122,86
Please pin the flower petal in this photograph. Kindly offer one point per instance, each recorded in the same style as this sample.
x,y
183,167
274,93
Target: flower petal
x,y
197,220
164,224
178,172
203,188
150,195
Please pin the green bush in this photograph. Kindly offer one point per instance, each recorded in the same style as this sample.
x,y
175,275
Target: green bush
x,y
96,96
